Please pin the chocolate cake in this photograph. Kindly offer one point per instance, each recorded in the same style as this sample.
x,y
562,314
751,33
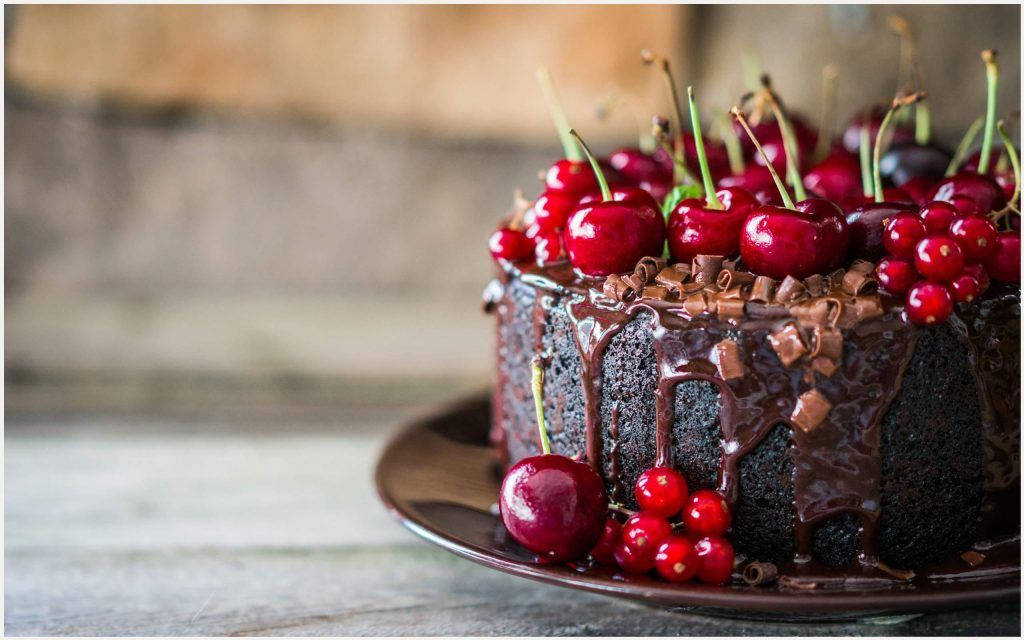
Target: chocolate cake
x,y
840,434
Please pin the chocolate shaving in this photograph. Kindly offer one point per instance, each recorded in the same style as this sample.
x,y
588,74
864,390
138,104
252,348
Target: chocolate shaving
x,y
788,343
706,268
635,282
762,289
726,356
758,574
729,278
690,287
858,283
862,266
827,342
616,288
867,307
824,366
736,293
818,312
670,279
655,291
811,410
815,284
648,267
729,307
682,268
729,264
900,574
695,304
972,557
791,290
835,279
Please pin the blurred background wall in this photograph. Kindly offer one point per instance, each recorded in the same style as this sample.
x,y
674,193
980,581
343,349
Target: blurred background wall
x,y
276,204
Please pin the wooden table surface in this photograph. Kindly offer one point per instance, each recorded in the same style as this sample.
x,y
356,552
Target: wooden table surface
x,y
268,524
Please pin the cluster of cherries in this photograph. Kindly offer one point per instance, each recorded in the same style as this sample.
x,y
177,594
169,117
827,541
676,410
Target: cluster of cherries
x,y
558,508
937,224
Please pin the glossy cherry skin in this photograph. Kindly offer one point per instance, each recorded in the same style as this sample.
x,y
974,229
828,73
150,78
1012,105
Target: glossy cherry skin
x,y
658,188
644,531
867,226
577,178
964,288
547,246
909,161
976,236
695,229
662,491
811,239
979,273
509,244
677,560
872,118
902,233
610,237
1004,263
604,551
896,275
549,212
770,135
982,190
837,178
636,167
918,189
937,216
929,303
717,558
631,560
553,506
706,513
938,258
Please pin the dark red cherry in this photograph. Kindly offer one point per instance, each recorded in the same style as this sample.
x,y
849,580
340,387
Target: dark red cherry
x,y
873,119
937,216
658,189
706,513
717,557
929,303
547,246
811,239
837,178
631,560
983,190
918,189
636,166
610,237
976,235
907,162
896,275
577,178
553,506
662,491
550,211
677,560
964,288
604,551
867,224
1004,263
695,228
770,135
978,272
901,234
644,531
754,179
972,161
938,258
509,244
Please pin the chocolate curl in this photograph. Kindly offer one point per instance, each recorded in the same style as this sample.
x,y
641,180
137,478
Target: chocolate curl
x,y
972,557
762,289
824,366
791,290
730,264
757,574
635,282
731,308
682,268
655,291
788,344
858,283
706,268
648,267
616,288
691,287
671,279
827,342
815,284
811,410
818,312
729,278
835,279
867,307
736,293
726,356
900,574
695,304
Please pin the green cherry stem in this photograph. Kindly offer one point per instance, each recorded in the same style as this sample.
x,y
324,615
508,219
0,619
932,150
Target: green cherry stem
x,y
537,385
732,144
963,147
865,161
786,200
1011,153
572,152
896,105
922,124
789,144
698,138
666,71
606,193
992,86
829,74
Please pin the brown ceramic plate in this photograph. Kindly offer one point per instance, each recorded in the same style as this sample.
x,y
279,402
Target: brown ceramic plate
x,y
439,478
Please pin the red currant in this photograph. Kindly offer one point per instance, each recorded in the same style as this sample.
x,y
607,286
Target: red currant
x,y
548,246
662,491
644,531
706,513
677,560
929,303
717,557
965,205
632,561
938,258
895,275
604,551
1004,263
509,244
902,233
978,272
964,288
937,216
976,235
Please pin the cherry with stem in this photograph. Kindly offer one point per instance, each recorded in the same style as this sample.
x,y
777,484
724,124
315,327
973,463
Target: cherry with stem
x,y
783,193
789,143
897,103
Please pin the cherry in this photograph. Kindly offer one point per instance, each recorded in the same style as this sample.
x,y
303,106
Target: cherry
x,y
509,244
549,212
658,189
754,179
902,233
978,272
895,275
976,236
631,560
872,120
662,491
643,531
612,235
918,189
770,134
981,193
604,551
717,557
938,258
706,513
937,216
903,163
551,504
1004,263
548,246
677,560
929,303
964,288
637,167
837,178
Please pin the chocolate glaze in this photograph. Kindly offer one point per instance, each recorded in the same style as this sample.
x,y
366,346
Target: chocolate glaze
x,y
836,464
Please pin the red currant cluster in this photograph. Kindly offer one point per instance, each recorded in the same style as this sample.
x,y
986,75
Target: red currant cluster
x,y
939,255
692,547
